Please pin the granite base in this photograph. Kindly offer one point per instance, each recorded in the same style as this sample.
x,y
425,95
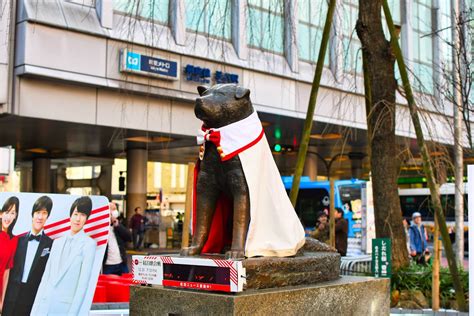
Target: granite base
x,y
344,296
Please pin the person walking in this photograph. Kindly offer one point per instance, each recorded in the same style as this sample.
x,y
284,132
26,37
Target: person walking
x,y
115,259
341,228
137,224
418,239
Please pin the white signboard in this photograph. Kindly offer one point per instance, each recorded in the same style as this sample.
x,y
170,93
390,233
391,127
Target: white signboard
x,y
204,274
7,159
147,269
368,218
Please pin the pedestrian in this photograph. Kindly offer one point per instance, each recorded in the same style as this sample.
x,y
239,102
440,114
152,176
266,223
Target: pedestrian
x,y
418,239
321,232
137,224
115,259
341,228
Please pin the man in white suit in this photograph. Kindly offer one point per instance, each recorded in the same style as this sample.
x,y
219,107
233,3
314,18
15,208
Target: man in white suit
x,y
67,274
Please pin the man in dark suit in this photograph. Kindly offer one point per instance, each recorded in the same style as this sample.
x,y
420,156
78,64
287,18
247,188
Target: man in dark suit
x,y
31,256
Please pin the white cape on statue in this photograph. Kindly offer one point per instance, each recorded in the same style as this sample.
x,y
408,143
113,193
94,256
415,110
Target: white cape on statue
x,y
274,228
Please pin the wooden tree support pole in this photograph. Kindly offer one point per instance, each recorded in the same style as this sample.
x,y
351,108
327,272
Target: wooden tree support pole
x,y
427,166
436,263
188,205
332,213
308,124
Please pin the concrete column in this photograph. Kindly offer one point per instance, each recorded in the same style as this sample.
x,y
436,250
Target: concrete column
x,y
61,180
311,164
104,182
136,179
239,28
26,179
42,175
178,21
291,34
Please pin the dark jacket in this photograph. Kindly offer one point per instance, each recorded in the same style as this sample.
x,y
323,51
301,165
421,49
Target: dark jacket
x,y
417,240
122,234
341,235
15,304
137,223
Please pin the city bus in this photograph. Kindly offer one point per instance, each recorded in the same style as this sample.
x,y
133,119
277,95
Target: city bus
x,y
419,200
313,197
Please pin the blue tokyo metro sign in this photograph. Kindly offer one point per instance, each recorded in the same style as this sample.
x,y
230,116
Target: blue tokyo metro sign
x,y
153,66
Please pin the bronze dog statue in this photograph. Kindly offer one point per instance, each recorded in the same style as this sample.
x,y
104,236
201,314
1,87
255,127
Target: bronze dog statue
x,y
216,109
241,205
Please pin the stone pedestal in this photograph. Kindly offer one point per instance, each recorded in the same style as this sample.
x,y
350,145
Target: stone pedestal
x,y
307,268
344,296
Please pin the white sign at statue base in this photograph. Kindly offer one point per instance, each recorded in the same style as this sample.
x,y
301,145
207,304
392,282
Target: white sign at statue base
x,y
204,274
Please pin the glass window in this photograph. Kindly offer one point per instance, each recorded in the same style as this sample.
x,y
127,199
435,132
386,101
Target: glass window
x,y
352,55
212,17
265,25
156,10
312,16
422,46
445,35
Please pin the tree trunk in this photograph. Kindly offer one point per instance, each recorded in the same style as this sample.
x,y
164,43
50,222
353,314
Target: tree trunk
x,y
379,64
427,163
458,116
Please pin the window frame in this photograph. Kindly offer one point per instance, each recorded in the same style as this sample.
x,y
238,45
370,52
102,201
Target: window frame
x,y
319,28
263,10
205,17
139,16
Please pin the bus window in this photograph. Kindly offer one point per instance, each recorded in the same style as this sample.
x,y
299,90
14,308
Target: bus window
x,y
416,203
309,203
350,193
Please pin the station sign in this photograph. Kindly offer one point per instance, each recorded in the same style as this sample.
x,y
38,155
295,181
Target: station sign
x,y
205,274
151,66
382,257
204,75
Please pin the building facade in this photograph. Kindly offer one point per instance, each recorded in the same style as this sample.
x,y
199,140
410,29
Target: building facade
x,y
85,81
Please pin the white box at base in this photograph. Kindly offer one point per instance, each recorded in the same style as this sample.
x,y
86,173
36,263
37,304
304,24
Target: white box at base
x,y
206,274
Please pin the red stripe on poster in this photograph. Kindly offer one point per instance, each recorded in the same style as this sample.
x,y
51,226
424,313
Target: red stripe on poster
x,y
101,242
98,218
57,231
61,222
66,220
100,209
99,234
91,228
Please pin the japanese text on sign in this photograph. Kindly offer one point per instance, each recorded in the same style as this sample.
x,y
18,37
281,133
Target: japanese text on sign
x,y
381,257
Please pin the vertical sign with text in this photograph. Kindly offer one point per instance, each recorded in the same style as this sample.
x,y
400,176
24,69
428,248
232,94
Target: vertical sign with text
x,y
382,257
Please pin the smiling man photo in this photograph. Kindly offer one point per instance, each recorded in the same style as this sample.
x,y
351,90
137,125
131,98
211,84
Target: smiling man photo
x,y
30,260
67,274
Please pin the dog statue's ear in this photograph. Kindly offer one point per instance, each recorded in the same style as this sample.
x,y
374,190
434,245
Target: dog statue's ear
x,y
202,89
241,92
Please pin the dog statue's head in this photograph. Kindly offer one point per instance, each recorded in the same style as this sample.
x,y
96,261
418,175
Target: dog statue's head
x,y
222,104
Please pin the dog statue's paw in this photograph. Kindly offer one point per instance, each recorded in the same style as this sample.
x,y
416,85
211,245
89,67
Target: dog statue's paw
x,y
235,254
190,251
